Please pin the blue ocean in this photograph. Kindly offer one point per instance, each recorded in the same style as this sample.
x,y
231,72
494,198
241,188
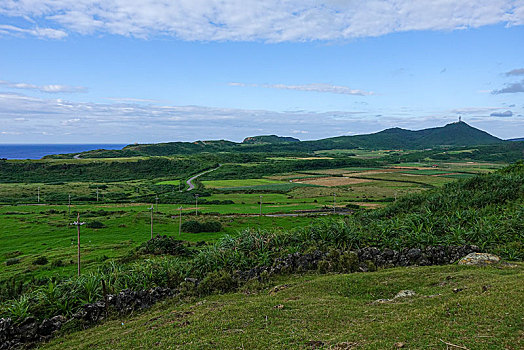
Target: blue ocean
x,y
13,151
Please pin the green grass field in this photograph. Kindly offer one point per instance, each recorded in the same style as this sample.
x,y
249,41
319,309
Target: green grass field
x,y
42,230
169,182
238,183
30,231
332,312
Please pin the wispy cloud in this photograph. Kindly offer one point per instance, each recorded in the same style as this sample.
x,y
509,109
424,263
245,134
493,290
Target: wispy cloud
x,y
35,119
44,33
475,110
504,114
52,88
255,20
510,88
131,99
518,71
326,88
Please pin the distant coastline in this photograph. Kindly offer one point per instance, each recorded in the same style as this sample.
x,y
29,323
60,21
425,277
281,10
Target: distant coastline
x,y
37,151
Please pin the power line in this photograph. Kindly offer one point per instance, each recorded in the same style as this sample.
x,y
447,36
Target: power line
x,y
77,223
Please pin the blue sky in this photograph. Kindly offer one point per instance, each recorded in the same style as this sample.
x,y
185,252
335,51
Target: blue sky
x,y
151,71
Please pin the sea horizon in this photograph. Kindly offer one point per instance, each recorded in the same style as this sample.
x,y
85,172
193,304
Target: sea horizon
x,y
39,150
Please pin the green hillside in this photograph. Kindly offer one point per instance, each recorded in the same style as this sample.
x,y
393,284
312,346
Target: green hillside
x,y
454,134
268,139
332,312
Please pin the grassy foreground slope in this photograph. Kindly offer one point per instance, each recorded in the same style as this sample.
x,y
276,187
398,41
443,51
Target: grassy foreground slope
x,y
333,312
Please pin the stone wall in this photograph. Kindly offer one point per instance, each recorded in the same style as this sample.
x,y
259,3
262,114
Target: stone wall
x,y
31,331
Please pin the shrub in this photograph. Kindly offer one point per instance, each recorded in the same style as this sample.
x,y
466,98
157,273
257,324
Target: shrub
x,y
41,260
12,261
164,245
211,226
194,226
217,282
191,226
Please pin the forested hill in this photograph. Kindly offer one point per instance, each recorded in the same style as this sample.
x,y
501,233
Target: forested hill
x,y
268,139
454,134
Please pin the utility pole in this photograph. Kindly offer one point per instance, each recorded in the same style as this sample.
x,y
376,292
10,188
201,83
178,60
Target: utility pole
x,y
334,201
38,195
260,205
180,221
196,204
69,206
152,207
77,223
97,194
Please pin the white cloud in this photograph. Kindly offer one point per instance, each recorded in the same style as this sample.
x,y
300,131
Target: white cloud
x,y
475,110
44,33
255,20
517,71
504,114
510,88
328,88
67,121
53,88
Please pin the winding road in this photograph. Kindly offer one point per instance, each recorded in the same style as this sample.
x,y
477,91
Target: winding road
x,y
190,183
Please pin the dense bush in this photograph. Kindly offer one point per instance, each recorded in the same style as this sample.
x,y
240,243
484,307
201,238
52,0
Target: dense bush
x,y
103,171
194,226
217,282
67,296
164,245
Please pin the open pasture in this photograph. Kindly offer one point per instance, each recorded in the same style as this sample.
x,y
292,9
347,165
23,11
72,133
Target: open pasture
x,y
331,181
361,153
169,182
59,192
238,183
32,231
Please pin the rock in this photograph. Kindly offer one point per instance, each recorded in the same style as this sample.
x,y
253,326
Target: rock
x,y
402,294
479,259
405,294
414,254
400,345
277,289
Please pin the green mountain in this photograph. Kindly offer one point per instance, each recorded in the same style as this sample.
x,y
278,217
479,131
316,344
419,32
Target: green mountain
x,y
454,134
268,139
